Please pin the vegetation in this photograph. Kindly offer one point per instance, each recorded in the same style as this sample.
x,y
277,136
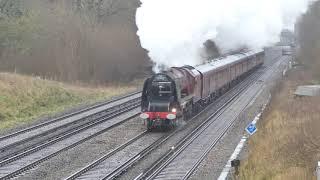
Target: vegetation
x,y
287,145
24,98
92,41
308,29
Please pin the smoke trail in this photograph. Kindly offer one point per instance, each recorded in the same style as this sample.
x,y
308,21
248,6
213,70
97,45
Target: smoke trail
x,y
173,31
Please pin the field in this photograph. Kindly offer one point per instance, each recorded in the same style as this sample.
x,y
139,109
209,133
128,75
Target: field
x,y
287,145
24,98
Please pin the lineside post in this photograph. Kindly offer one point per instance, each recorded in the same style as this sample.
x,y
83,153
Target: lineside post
x,y
318,171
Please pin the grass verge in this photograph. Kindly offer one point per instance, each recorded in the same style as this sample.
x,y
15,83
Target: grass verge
x,y
287,145
23,99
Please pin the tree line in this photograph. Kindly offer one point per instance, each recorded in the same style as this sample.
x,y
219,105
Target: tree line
x,y
308,33
91,41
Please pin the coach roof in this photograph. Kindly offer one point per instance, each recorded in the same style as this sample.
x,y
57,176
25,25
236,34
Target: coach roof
x,y
222,62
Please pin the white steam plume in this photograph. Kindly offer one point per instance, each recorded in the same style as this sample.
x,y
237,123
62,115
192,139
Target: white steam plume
x,y
173,31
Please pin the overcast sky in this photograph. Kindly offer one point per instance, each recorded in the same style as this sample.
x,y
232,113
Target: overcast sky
x,y
173,31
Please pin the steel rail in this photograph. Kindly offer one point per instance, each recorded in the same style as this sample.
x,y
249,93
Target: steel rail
x,y
68,134
159,166
147,150
171,154
98,161
33,164
66,116
111,112
204,154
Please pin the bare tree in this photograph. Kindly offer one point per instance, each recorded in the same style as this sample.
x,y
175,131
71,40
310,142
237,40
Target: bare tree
x,y
308,30
78,40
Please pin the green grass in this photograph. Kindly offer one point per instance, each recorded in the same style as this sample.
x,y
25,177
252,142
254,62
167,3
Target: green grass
x,y
23,98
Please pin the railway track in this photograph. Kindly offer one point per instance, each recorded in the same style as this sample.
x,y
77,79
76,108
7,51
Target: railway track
x,y
15,136
113,164
51,138
192,149
182,161
58,133
110,169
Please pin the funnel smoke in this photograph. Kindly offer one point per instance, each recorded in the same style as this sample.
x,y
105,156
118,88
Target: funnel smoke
x,y
174,31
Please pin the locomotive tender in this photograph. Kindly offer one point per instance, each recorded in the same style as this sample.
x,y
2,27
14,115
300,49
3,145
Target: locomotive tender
x,y
181,91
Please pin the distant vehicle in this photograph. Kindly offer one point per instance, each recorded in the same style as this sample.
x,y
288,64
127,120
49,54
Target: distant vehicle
x,y
287,50
182,91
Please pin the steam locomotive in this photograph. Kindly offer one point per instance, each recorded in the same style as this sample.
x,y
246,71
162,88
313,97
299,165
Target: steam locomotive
x,y
181,91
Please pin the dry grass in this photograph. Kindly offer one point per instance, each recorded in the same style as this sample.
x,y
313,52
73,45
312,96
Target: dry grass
x,y
24,98
287,145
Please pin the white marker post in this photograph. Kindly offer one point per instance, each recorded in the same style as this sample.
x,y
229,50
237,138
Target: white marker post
x,y
318,171
251,129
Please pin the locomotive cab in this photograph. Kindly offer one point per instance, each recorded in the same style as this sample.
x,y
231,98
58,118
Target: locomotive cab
x,y
159,103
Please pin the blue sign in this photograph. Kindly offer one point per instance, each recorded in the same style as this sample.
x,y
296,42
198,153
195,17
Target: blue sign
x,y
251,129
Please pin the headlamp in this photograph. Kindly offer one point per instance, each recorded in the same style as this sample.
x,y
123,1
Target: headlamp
x,y
144,116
